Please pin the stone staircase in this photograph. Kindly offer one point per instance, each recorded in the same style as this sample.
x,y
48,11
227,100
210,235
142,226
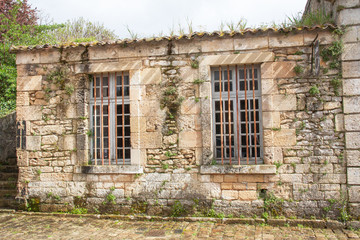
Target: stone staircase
x,y
8,181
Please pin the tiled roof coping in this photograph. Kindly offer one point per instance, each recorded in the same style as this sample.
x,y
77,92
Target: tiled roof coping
x,y
219,34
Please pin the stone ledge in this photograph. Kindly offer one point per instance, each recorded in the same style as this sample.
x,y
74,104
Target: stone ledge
x,y
112,169
316,223
239,169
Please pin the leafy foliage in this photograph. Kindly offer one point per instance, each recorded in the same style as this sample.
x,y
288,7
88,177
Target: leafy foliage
x,y
17,21
18,26
80,30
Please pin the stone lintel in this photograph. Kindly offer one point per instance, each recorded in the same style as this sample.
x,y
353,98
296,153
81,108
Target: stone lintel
x,y
239,169
243,58
110,169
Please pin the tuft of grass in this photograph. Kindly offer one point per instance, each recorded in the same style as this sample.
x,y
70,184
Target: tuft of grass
x,y
198,81
310,19
298,69
314,90
194,64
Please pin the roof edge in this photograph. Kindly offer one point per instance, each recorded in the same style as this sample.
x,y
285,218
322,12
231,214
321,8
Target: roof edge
x,y
15,49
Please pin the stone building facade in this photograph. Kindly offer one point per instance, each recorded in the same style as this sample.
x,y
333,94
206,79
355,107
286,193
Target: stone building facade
x,y
173,154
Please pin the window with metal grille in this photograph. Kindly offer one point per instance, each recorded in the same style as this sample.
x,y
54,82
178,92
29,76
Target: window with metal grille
x,y
236,103
110,119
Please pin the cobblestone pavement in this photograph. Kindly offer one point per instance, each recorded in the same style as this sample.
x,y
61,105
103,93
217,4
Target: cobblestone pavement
x,y
18,226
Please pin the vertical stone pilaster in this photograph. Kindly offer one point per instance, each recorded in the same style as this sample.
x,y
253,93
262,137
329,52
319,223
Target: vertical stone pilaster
x,y
349,16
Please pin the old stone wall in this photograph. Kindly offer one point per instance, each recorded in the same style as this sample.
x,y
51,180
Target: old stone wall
x,y
304,170
7,138
347,15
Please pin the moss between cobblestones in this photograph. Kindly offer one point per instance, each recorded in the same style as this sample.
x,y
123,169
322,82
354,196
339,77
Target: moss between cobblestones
x,y
330,224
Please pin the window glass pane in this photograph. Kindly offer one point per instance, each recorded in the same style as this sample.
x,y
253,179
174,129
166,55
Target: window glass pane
x,y
126,80
216,75
217,87
241,73
105,81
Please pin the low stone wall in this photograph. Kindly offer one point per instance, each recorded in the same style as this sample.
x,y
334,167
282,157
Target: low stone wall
x,y
8,138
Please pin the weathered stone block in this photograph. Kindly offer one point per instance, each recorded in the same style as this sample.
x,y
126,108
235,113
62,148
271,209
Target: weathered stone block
x,y
272,154
218,178
353,158
49,140
348,3
289,40
268,86
28,113
279,102
352,34
352,122
189,106
217,45
69,142
29,83
271,119
205,90
138,124
291,178
22,158
22,98
50,56
351,86
325,37
146,108
354,194
283,70
351,69
339,122
281,138
229,194
190,139
349,16
243,58
352,140
230,178
33,143
70,111
27,57
331,105
52,129
251,43
351,51
146,140
353,175
150,76
267,70
331,178
247,195
352,104
251,178
189,74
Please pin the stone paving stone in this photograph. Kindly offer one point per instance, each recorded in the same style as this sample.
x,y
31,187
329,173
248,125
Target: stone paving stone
x,y
19,226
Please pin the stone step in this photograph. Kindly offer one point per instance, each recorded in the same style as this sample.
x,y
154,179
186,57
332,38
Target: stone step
x,y
8,176
9,169
8,185
7,194
9,161
8,203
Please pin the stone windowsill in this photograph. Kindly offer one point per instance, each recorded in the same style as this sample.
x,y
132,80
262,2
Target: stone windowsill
x,y
111,169
238,169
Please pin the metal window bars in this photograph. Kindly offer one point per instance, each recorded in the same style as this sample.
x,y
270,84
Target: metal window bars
x,y
237,115
110,119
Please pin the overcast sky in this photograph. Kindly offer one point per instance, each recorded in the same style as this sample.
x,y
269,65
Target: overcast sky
x,y
153,17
